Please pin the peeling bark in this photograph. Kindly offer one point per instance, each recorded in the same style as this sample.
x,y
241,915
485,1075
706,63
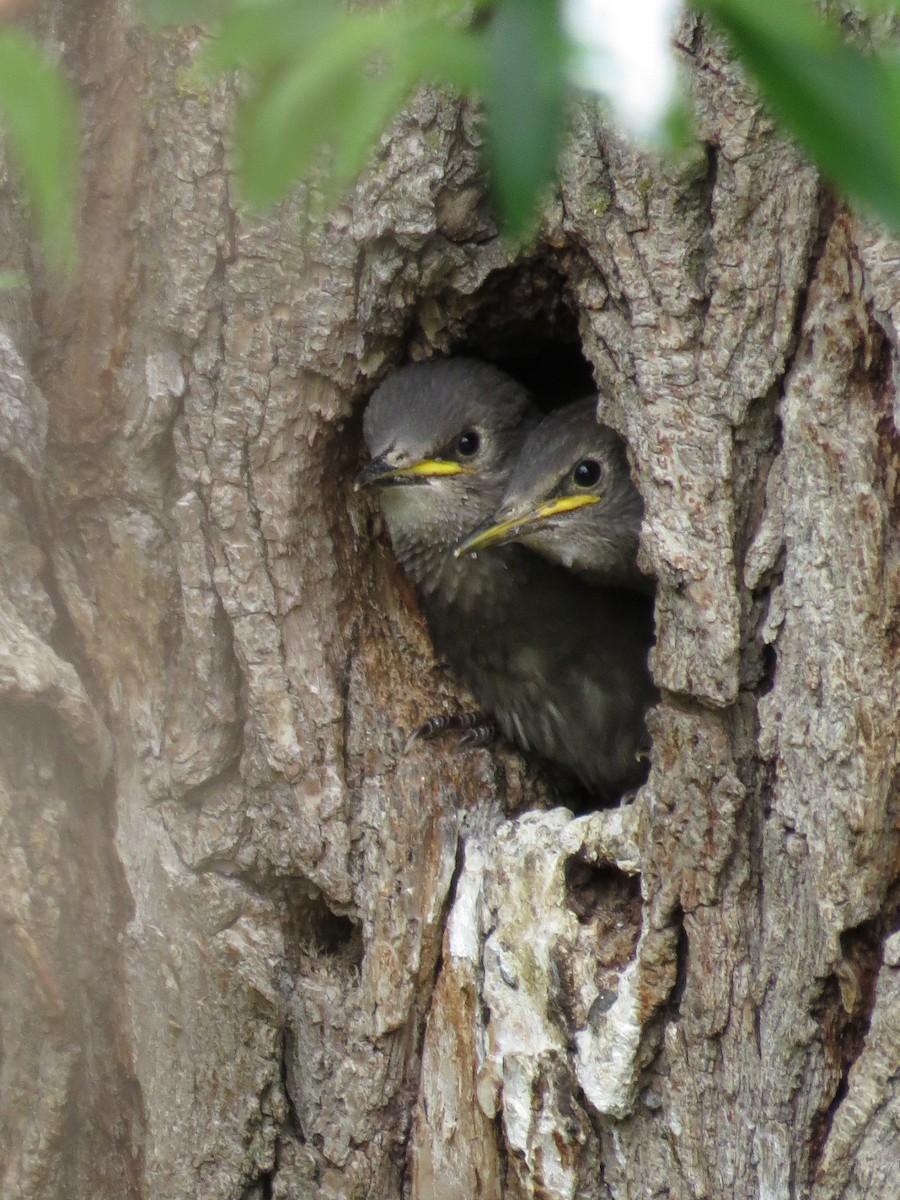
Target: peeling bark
x,y
250,948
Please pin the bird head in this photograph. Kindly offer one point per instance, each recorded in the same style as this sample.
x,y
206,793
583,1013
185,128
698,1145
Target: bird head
x,y
570,498
442,435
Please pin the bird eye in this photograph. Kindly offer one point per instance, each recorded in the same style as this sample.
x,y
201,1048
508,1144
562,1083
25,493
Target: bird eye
x,y
586,473
468,443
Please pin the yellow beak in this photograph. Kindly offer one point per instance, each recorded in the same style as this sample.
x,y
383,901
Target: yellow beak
x,y
381,471
500,532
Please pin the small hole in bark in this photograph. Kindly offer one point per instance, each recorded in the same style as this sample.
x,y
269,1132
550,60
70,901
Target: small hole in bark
x,y
336,934
592,890
607,903
314,931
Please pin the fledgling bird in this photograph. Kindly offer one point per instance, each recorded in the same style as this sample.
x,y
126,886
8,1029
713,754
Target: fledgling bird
x,y
561,666
570,498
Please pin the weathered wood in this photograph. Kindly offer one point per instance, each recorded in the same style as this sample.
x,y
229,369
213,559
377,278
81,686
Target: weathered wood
x,y
251,948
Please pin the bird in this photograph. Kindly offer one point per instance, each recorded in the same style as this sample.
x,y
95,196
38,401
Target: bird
x,y
561,666
570,498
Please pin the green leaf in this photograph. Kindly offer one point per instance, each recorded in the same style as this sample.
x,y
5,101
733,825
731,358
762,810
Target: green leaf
x,y
341,90
451,57
842,105
284,123
433,52
322,83
358,134
38,113
525,102
265,32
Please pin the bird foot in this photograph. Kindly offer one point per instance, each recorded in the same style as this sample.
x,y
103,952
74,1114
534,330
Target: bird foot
x,y
474,728
481,734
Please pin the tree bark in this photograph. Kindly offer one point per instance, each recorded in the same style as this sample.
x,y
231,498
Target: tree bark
x,y
251,949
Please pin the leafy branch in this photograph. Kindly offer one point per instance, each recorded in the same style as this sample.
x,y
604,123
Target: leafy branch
x,y
326,81
321,83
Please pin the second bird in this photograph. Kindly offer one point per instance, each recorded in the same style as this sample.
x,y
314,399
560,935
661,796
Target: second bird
x,y
560,665
570,498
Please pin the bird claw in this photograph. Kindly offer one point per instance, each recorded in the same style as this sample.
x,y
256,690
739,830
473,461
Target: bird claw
x,y
428,729
473,727
436,725
415,736
478,735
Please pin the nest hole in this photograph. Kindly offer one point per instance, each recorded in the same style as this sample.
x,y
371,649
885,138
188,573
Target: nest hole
x,y
525,320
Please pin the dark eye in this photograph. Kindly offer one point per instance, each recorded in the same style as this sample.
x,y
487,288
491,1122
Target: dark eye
x,y
586,473
468,443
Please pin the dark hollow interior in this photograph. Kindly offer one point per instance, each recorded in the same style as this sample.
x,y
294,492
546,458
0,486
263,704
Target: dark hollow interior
x,y
523,321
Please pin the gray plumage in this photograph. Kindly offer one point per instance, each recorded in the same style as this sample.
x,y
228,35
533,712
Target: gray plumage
x,y
590,525
561,666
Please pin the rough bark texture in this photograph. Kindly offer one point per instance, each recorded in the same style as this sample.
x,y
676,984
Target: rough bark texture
x,y
249,949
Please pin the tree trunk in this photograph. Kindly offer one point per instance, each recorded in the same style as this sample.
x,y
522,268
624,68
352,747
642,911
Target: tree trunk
x,y
250,948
